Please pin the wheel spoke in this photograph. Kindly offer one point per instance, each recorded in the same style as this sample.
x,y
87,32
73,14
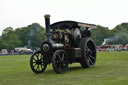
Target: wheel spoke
x,y
92,57
37,56
33,62
41,67
90,61
62,57
40,56
88,49
34,65
92,51
34,59
37,67
59,56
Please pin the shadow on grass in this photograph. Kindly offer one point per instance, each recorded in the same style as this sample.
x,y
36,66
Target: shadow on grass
x,y
75,68
70,69
51,71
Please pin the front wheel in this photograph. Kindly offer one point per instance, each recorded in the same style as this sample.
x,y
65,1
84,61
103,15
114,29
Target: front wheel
x,y
37,62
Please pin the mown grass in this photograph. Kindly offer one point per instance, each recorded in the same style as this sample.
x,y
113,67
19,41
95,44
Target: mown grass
x,y
111,69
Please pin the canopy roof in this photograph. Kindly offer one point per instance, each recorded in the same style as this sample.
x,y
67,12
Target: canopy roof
x,y
70,25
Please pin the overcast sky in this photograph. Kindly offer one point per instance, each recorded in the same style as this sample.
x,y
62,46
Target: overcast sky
x,y
19,13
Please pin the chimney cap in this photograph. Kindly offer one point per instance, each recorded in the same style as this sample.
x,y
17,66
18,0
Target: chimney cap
x,y
47,15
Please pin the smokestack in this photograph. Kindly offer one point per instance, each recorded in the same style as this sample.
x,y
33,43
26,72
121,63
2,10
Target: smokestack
x,y
47,25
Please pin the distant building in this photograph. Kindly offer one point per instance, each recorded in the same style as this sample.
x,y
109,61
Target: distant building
x,y
4,52
18,49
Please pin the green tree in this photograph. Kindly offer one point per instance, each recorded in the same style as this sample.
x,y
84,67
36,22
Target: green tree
x,y
10,39
31,36
7,30
121,31
3,44
100,33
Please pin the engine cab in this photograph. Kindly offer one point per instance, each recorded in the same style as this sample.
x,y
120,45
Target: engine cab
x,y
70,32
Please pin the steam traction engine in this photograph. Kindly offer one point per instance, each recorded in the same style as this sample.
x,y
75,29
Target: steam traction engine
x,y
67,42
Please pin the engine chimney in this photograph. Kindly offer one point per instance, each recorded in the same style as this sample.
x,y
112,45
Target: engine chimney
x,y
47,25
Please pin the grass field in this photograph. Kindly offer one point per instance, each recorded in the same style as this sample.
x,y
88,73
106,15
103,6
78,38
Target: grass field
x,y
111,69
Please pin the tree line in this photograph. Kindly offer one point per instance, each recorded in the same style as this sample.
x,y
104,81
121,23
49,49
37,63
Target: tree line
x,y
118,35
32,35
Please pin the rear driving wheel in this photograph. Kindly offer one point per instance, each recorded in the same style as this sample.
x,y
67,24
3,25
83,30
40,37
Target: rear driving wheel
x,y
88,52
60,61
37,62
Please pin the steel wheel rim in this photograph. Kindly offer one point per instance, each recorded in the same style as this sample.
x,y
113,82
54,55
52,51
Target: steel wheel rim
x,y
37,62
90,52
60,61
